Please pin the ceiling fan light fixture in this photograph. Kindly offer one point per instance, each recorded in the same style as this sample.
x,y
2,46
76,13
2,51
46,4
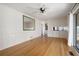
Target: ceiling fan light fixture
x,y
42,10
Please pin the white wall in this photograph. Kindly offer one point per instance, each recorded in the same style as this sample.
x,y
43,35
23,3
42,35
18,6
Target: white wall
x,y
57,22
70,35
11,28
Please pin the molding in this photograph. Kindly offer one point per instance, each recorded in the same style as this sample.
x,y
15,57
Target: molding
x,y
29,39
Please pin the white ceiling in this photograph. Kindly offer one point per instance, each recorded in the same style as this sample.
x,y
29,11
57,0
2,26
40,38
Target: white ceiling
x,y
53,10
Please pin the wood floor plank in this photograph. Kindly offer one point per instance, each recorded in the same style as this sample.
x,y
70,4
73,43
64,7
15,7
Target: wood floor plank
x,y
48,46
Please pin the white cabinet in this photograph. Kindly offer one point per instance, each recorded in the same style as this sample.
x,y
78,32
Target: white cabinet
x,y
59,34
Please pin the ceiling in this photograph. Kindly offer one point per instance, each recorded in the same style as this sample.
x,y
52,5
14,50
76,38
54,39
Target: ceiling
x,y
53,10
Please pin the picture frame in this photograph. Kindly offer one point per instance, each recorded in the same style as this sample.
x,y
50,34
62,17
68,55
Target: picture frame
x,y
28,23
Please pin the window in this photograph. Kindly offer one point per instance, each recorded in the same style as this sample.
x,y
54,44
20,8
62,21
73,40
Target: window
x,y
77,27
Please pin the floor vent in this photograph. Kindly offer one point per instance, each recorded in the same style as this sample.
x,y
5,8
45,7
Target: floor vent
x,y
71,54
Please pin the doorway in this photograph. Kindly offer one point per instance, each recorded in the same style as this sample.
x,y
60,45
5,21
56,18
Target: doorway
x,y
44,29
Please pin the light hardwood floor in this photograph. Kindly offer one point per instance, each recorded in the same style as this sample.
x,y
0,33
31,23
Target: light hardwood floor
x,y
39,47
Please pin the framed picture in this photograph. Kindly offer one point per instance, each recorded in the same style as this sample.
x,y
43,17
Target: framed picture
x,y
28,23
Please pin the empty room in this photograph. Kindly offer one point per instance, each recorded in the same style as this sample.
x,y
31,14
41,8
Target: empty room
x,y
39,29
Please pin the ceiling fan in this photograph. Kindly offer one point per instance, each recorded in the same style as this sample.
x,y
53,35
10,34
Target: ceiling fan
x,y
41,9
